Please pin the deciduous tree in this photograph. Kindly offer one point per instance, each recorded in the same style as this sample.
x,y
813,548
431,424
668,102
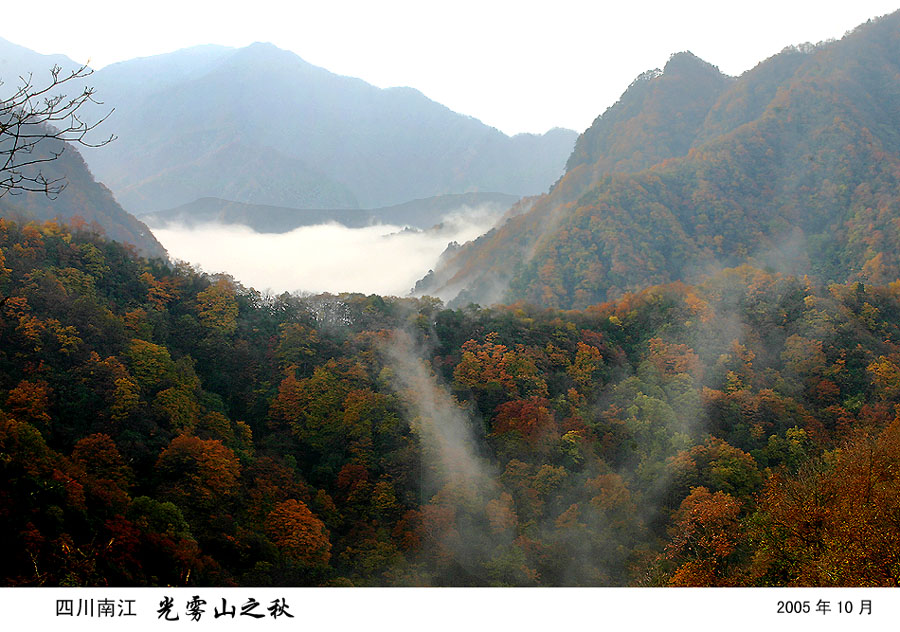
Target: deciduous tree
x,y
36,123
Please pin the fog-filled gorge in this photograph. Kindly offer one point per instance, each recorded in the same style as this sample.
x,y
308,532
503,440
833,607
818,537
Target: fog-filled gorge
x,y
380,259
369,355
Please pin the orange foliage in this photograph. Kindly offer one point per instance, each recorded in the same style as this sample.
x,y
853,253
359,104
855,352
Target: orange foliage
x,y
705,533
483,364
198,473
353,480
501,513
30,401
298,534
492,364
835,524
100,459
269,483
160,292
673,359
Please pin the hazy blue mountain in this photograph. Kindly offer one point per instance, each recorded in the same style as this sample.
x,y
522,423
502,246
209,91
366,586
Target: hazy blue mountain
x,y
275,219
295,135
271,134
17,61
82,197
427,212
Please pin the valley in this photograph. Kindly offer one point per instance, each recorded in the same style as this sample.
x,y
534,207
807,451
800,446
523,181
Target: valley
x,y
340,335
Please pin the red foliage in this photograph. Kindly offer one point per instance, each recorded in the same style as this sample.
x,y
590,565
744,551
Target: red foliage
x,y
530,417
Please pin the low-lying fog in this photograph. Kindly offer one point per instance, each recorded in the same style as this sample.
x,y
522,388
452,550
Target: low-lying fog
x,y
380,259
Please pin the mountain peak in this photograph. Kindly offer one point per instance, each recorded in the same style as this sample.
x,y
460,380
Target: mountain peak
x,y
322,132
686,63
692,170
268,51
265,47
261,58
668,106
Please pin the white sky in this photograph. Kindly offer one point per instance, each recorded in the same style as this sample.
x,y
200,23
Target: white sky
x,y
520,66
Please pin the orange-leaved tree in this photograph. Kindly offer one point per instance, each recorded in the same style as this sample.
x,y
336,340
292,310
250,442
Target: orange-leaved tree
x,y
298,533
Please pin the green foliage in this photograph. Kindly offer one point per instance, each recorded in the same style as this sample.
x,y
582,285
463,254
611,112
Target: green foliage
x,y
219,436
790,167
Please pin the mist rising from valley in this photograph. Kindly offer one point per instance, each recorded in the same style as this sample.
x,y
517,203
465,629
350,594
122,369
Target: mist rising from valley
x,y
383,259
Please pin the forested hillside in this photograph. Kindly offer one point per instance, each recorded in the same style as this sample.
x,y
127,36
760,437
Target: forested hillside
x,y
81,198
793,167
163,427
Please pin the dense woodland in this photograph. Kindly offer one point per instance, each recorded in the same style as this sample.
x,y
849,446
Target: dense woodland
x,y
793,166
159,426
690,374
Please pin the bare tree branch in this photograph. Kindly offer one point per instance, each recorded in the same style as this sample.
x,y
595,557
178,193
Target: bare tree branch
x,y
33,115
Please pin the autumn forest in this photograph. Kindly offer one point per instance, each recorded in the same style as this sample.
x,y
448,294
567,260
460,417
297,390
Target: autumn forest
x,y
678,367
160,426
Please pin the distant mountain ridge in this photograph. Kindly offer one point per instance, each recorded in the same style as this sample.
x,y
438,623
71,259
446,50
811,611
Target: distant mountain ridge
x,y
82,197
18,62
793,166
261,126
190,127
420,214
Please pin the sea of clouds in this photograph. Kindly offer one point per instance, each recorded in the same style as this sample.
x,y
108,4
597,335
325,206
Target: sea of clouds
x,y
379,259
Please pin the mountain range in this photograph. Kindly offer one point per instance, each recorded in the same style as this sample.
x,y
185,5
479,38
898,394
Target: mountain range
x,y
794,166
421,214
725,411
259,125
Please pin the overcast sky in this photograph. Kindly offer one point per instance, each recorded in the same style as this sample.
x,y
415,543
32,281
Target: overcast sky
x,y
519,66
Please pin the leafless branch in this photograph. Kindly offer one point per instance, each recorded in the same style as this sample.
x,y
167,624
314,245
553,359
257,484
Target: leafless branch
x,y
33,115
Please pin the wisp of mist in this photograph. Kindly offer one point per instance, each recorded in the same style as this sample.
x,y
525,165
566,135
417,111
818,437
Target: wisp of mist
x,y
379,259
